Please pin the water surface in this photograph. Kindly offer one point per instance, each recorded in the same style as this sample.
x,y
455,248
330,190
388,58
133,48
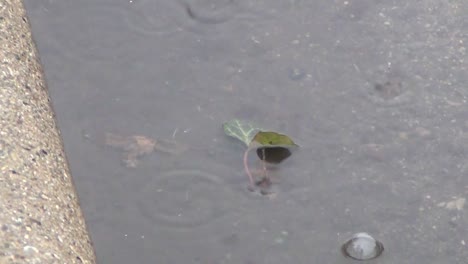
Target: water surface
x,y
373,91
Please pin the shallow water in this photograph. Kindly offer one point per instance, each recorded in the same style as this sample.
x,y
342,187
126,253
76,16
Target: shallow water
x,y
374,92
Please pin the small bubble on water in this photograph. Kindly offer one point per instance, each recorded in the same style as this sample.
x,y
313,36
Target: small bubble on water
x,y
30,250
296,74
362,246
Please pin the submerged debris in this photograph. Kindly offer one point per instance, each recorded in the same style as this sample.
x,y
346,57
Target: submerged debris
x,y
136,146
456,204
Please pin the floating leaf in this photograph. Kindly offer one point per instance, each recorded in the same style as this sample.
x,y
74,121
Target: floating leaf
x,y
273,147
272,139
241,130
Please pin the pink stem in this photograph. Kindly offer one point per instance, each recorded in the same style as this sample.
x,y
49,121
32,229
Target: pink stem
x,y
265,172
246,167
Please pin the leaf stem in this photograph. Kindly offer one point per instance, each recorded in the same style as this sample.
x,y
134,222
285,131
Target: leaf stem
x,y
246,167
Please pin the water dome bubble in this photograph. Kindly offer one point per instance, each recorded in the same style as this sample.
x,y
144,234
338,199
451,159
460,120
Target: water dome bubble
x,y
362,246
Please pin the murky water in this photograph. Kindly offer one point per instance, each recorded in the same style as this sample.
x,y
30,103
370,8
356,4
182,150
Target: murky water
x,y
374,92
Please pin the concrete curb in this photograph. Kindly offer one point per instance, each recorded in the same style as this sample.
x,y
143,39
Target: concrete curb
x,y
40,218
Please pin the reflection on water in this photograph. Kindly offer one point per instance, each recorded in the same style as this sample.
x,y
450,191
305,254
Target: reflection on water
x,y
186,199
148,17
374,91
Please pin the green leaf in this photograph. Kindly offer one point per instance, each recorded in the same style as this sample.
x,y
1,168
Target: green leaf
x,y
242,130
272,147
273,139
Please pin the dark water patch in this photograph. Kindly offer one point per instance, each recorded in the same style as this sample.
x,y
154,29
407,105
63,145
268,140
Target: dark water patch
x,y
389,89
210,12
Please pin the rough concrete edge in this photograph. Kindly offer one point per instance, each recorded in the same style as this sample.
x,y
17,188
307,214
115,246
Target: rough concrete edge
x,y
40,217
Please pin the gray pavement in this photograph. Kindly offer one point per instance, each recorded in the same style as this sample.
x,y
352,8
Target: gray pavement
x,y
40,218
